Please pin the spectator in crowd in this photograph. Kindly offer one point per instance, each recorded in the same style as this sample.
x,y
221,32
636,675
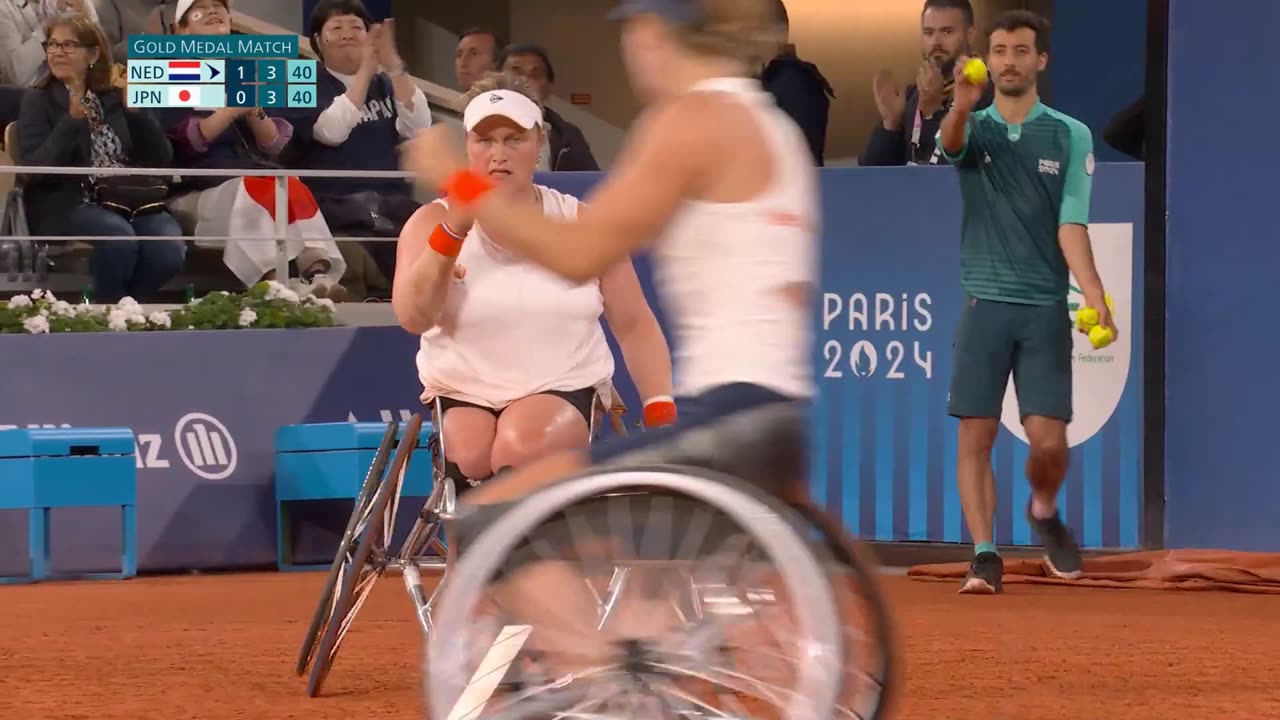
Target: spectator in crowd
x,y
910,119
516,353
566,148
244,207
74,116
477,54
22,33
366,104
1127,130
800,90
121,18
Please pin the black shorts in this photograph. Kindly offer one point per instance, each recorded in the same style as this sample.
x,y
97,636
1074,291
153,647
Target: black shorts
x,y
581,400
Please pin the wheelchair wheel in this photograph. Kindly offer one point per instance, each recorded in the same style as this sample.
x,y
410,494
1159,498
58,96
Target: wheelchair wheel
x,y
363,561
870,644
358,511
629,593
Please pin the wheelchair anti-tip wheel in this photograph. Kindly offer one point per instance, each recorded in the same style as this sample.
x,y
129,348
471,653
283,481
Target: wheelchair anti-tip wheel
x,y
324,608
653,593
363,559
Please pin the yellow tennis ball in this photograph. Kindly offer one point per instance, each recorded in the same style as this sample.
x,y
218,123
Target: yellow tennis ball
x,y
1087,317
1101,336
975,71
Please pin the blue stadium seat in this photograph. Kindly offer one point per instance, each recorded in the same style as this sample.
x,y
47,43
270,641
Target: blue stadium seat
x,y
329,461
42,469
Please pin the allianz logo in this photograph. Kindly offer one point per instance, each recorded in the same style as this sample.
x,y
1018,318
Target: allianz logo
x,y
203,443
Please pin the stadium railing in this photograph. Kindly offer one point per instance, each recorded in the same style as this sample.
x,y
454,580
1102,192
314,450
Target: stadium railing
x,y
29,246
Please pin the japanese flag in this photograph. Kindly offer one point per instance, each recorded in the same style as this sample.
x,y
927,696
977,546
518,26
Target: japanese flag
x,y
184,96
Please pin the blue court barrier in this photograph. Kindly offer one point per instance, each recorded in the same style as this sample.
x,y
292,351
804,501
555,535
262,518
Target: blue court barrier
x,y
205,406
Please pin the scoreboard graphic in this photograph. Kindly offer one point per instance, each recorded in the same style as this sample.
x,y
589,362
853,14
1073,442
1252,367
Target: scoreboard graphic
x,y
219,71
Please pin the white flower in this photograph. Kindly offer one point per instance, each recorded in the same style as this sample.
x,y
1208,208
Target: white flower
x,y
325,303
37,294
118,320
85,309
160,318
44,311
276,291
136,319
62,308
19,301
248,317
48,296
127,303
36,325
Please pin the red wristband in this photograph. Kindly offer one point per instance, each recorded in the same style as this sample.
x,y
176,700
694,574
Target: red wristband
x,y
443,241
466,187
659,412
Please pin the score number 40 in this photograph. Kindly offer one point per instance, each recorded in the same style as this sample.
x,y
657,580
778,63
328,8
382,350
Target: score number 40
x,y
864,359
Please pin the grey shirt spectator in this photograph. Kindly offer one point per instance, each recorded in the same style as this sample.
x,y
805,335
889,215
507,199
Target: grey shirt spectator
x,y
21,42
121,18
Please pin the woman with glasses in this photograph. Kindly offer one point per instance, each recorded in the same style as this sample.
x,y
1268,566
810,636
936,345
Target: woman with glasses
x,y
74,116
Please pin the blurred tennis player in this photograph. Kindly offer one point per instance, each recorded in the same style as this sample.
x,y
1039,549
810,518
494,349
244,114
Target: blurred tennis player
x,y
717,182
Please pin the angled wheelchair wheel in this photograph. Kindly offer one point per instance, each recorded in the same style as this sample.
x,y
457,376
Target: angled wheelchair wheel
x,y
372,479
365,559
871,664
635,593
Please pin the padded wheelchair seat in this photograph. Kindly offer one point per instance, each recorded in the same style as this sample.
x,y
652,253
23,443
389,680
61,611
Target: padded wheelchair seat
x,y
766,447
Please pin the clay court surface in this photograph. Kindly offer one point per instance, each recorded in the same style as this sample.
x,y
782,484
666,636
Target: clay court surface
x,y
223,646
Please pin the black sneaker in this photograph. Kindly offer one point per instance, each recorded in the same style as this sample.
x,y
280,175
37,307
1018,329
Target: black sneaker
x,y
1061,553
985,573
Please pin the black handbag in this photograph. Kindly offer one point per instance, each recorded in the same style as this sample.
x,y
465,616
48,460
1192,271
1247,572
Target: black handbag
x,y
129,195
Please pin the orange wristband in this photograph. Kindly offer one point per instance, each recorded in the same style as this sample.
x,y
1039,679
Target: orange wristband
x,y
445,242
467,187
659,411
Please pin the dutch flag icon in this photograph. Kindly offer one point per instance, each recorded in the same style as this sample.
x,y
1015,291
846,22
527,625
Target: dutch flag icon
x,y
184,71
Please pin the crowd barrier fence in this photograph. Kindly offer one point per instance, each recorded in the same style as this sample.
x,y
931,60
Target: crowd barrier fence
x,y
883,451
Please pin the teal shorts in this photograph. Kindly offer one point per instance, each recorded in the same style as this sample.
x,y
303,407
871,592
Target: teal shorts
x,y
995,339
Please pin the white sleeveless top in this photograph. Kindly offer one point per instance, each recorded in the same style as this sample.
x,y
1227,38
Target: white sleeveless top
x,y
719,267
510,329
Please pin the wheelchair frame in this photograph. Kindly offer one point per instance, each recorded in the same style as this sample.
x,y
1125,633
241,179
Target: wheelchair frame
x,y
363,556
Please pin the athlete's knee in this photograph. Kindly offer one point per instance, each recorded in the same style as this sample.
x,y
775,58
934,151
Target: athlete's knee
x,y
470,457
1049,454
517,444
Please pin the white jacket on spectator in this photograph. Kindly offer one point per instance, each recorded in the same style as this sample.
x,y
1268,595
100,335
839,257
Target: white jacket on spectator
x,y
22,59
335,124
21,42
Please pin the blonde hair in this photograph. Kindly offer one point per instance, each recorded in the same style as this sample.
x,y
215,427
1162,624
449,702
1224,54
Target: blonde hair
x,y
750,31
493,81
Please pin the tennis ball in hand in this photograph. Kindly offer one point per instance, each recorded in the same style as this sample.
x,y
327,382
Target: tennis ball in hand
x,y
1086,318
1101,336
975,71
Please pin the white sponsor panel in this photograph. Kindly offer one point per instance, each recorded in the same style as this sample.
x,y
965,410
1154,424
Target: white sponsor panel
x,y
1098,376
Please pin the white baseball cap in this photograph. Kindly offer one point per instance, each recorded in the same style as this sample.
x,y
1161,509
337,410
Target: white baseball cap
x,y
180,10
507,103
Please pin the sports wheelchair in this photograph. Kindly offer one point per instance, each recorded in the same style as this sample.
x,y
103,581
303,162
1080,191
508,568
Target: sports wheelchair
x,y
701,592
365,554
